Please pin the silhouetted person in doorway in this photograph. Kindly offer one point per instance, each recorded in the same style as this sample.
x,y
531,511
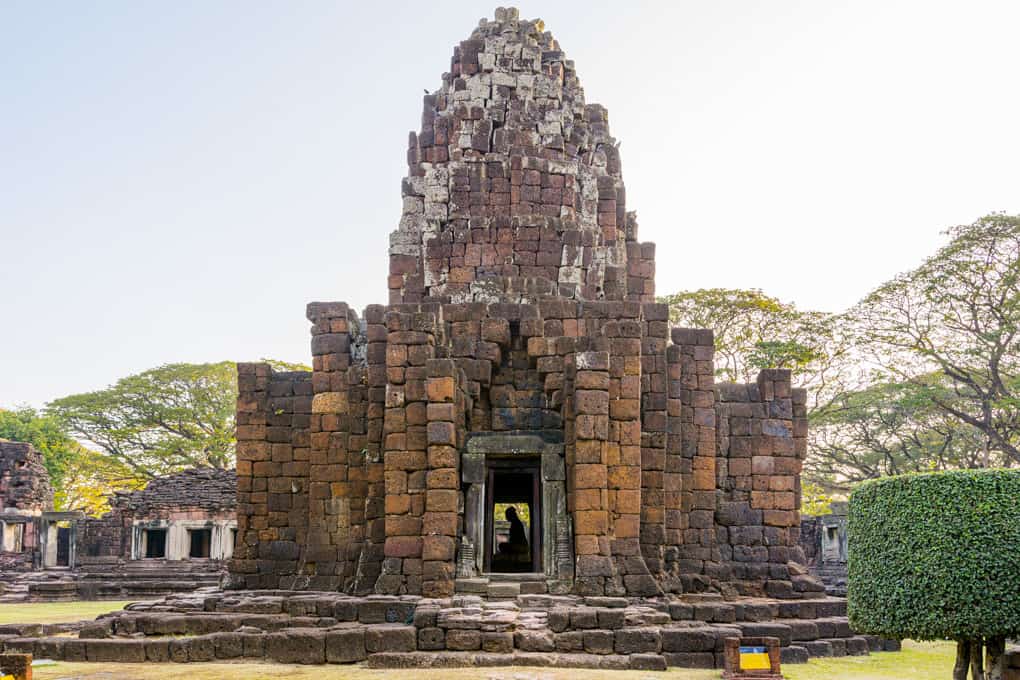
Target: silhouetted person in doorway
x,y
516,546
518,539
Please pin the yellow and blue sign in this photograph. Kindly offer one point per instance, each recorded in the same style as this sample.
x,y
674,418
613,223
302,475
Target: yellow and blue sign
x,y
754,659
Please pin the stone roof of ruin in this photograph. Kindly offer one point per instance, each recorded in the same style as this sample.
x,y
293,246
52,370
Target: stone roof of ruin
x,y
24,480
204,488
509,143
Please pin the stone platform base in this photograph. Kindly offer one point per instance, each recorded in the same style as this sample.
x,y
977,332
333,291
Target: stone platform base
x,y
465,630
116,580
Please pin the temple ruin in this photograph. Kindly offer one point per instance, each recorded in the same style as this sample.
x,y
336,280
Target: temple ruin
x,y
522,359
174,535
823,539
25,494
521,362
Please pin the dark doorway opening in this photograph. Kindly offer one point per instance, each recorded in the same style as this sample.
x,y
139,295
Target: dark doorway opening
x,y
513,517
155,543
200,540
63,546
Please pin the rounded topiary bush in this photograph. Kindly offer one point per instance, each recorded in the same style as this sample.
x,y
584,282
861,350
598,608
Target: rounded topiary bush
x,y
937,556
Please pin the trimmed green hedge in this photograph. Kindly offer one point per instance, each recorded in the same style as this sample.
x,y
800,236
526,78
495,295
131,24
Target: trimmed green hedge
x,y
936,556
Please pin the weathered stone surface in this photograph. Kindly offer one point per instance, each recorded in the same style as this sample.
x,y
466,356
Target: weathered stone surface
x,y
534,640
521,326
463,640
297,645
126,651
390,638
637,640
345,645
599,641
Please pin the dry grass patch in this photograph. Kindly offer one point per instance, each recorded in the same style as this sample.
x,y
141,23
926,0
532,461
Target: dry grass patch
x,y
58,612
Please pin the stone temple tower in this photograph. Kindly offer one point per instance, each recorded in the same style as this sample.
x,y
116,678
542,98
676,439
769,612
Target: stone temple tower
x,y
514,190
521,362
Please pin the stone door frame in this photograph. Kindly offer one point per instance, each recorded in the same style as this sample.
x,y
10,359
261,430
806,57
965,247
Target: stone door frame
x,y
547,447
529,465
48,542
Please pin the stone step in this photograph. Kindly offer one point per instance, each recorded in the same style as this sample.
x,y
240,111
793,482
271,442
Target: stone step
x,y
471,585
701,597
621,662
504,590
812,608
515,578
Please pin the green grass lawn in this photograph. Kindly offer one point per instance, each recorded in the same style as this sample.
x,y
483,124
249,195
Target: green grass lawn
x,y
57,612
917,661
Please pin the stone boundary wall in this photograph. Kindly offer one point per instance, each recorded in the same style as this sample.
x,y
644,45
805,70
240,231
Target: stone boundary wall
x,y
692,449
273,414
762,445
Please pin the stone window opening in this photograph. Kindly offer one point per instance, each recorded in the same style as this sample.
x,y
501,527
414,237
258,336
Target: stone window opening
x,y
154,543
13,537
200,543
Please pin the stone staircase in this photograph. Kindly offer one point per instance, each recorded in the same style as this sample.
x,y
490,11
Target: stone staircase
x,y
44,586
540,629
13,588
503,586
834,577
144,579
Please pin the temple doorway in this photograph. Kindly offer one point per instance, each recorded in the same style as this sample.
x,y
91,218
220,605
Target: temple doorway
x,y
63,544
513,535
57,539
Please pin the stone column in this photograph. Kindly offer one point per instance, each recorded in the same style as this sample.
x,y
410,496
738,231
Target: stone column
x,y
624,452
370,563
656,500
692,381
758,508
587,477
442,496
252,448
329,516
410,344
272,470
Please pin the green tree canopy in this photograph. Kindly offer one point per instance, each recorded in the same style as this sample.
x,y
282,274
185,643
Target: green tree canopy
x,y
161,420
754,331
81,478
890,428
958,314
45,433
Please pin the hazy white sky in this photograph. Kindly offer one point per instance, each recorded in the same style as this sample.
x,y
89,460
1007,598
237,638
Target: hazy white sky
x,y
178,179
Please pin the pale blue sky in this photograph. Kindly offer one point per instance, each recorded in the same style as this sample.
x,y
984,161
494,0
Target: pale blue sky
x,y
178,178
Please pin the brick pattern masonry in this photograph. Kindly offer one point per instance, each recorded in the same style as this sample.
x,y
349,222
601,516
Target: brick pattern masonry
x,y
521,300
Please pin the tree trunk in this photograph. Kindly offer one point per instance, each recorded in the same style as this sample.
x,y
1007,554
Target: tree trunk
x,y
996,658
977,660
962,660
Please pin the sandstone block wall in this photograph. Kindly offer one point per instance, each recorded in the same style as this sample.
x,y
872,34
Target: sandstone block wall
x,y
192,496
273,453
24,482
25,493
521,323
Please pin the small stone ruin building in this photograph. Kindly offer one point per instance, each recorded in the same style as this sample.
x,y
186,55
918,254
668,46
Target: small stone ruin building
x,y
824,541
174,535
25,495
